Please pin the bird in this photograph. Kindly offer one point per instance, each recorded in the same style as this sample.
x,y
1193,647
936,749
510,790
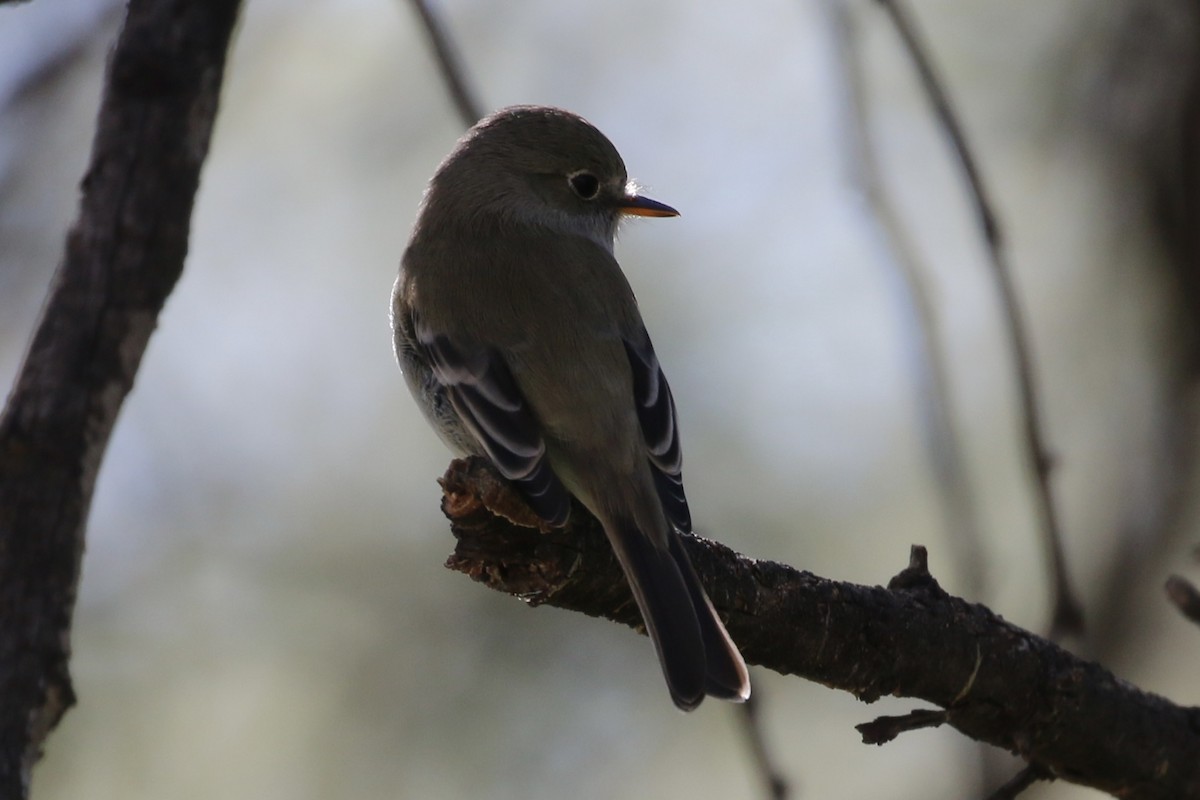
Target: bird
x,y
521,340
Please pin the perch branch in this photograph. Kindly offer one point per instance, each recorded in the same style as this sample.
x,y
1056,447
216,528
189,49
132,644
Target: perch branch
x,y
997,683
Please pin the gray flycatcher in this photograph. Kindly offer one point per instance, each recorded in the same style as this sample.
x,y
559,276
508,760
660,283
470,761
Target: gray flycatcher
x,y
521,340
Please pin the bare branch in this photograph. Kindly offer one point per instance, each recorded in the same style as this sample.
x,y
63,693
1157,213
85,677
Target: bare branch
x,y
910,287
450,65
123,256
1068,613
1020,782
777,787
882,730
997,683
1185,596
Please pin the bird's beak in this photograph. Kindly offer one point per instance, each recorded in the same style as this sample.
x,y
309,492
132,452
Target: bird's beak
x,y
640,206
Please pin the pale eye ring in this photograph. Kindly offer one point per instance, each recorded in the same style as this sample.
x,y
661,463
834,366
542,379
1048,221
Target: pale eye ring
x,y
584,184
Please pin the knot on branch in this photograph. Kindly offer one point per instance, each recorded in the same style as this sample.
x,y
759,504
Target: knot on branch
x,y
502,544
916,577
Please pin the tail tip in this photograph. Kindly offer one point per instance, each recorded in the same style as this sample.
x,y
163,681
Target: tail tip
x,y
739,693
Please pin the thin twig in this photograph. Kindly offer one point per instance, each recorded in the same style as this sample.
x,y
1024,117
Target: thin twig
x,y
909,285
882,730
1068,613
772,776
944,111
1185,596
1021,781
450,64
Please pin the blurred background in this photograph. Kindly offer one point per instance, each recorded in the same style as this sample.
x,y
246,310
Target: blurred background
x,y
264,612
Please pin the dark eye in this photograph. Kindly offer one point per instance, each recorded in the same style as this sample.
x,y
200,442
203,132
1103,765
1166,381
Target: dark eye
x,y
585,184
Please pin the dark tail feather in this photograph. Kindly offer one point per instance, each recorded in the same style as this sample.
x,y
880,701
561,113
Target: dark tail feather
x,y
666,605
695,652
726,675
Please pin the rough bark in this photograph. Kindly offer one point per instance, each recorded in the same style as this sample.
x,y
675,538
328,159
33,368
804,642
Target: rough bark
x,y
123,256
994,682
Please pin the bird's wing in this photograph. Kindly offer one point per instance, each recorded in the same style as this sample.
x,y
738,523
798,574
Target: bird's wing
x,y
656,413
490,404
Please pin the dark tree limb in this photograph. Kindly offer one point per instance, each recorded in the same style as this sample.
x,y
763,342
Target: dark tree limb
x,y
997,683
123,256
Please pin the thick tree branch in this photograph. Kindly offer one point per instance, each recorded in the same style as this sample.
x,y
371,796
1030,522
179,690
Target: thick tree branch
x,y
123,256
997,683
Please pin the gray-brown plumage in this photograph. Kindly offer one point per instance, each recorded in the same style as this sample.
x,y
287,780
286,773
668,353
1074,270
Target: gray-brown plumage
x,y
521,340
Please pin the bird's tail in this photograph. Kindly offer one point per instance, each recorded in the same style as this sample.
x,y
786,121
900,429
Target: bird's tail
x,y
698,658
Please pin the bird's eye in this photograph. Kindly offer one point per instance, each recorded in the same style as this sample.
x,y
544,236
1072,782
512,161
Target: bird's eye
x,y
585,184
